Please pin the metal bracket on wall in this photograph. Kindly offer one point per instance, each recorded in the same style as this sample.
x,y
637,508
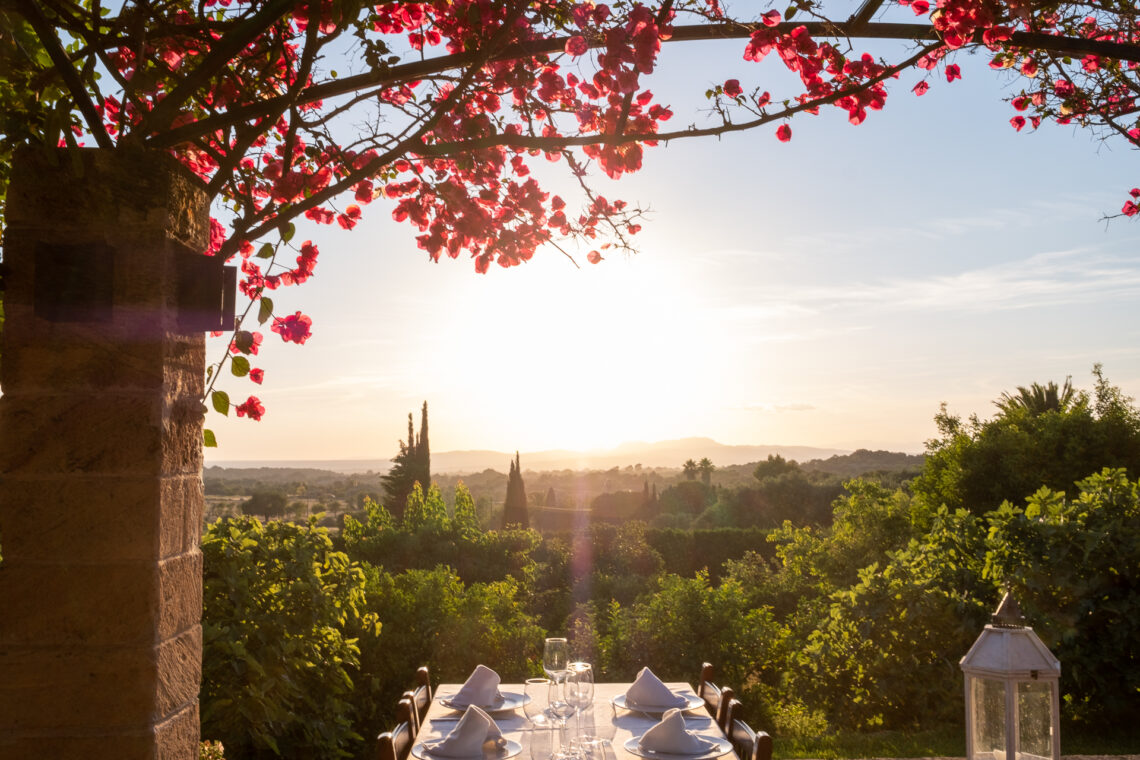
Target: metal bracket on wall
x,y
207,294
73,283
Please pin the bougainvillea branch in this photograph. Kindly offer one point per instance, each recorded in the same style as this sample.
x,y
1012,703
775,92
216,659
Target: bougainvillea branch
x,y
461,99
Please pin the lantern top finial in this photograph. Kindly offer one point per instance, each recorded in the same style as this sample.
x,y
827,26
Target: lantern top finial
x,y
1008,614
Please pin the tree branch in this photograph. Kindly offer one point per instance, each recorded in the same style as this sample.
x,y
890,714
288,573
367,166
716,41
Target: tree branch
x,y
550,144
62,63
221,53
724,31
403,148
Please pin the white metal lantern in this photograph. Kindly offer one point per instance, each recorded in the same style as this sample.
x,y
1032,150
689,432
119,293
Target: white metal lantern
x,y
1013,708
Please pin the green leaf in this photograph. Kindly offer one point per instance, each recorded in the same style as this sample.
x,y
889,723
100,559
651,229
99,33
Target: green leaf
x,y
221,402
791,11
265,310
265,251
243,341
287,232
239,366
208,439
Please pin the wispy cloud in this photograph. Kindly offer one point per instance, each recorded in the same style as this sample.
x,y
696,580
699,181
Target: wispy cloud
x,y
779,408
1047,279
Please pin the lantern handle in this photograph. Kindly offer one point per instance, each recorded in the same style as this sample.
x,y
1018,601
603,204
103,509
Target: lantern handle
x,y
1008,614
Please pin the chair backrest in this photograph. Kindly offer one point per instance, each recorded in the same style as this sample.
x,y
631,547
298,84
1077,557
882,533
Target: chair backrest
x,y
723,719
406,712
707,690
421,695
395,744
749,744
743,738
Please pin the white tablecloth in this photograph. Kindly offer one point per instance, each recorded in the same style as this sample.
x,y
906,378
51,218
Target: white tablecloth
x,y
603,720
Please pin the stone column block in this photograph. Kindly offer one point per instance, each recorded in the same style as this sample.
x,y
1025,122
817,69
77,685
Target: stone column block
x,y
100,464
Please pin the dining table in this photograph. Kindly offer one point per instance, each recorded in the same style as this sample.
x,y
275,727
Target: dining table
x,y
615,725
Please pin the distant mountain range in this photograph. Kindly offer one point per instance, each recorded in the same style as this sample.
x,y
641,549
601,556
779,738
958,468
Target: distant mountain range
x,y
659,454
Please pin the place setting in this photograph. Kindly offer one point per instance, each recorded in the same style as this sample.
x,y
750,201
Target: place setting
x,y
650,696
476,734
481,689
670,739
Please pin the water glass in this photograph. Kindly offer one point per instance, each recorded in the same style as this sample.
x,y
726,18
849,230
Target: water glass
x,y
536,693
542,741
580,688
555,657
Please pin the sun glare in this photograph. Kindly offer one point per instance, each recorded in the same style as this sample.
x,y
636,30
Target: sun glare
x,y
580,359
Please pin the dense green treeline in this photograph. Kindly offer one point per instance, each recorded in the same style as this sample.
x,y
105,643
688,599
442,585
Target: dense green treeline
x,y
852,620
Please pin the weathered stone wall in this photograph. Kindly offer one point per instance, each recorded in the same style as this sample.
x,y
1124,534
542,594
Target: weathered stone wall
x,y
100,469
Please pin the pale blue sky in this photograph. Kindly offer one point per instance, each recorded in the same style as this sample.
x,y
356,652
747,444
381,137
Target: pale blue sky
x,y
829,291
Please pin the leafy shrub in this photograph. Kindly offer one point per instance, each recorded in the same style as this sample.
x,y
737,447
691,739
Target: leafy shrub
x,y
1074,566
277,663
685,552
689,621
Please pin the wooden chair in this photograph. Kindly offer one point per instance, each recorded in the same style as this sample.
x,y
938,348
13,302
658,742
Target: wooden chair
x,y
406,712
421,695
723,716
395,744
708,691
733,710
749,744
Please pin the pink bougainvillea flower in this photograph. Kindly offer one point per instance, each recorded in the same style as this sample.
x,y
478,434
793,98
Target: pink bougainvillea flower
x,y
251,408
1130,209
784,133
921,88
1135,192
257,375
577,45
294,328
732,88
593,257
953,72
348,219
1021,103
771,18
920,7
1018,122
764,99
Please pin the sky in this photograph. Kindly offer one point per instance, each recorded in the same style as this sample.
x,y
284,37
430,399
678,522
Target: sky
x,y
831,291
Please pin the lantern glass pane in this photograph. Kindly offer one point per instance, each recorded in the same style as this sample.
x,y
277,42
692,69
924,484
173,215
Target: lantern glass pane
x,y
989,719
1034,720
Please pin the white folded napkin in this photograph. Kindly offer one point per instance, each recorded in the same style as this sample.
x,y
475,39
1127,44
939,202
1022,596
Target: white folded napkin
x,y
481,688
648,691
670,736
473,730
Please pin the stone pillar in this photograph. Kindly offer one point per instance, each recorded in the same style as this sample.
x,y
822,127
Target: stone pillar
x,y
100,465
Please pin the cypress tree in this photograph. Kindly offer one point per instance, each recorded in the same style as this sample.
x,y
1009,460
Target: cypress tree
x,y
412,465
423,454
514,507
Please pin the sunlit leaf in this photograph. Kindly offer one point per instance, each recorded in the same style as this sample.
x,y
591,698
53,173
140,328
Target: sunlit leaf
x,y
265,310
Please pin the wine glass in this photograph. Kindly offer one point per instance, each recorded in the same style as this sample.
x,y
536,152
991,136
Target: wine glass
x,y
536,705
561,707
580,688
555,656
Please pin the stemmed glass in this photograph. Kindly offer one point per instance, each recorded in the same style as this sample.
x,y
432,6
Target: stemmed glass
x,y
555,657
580,688
561,706
536,706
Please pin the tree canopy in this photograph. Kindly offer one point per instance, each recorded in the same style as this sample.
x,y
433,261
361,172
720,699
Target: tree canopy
x,y
1033,442
442,111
